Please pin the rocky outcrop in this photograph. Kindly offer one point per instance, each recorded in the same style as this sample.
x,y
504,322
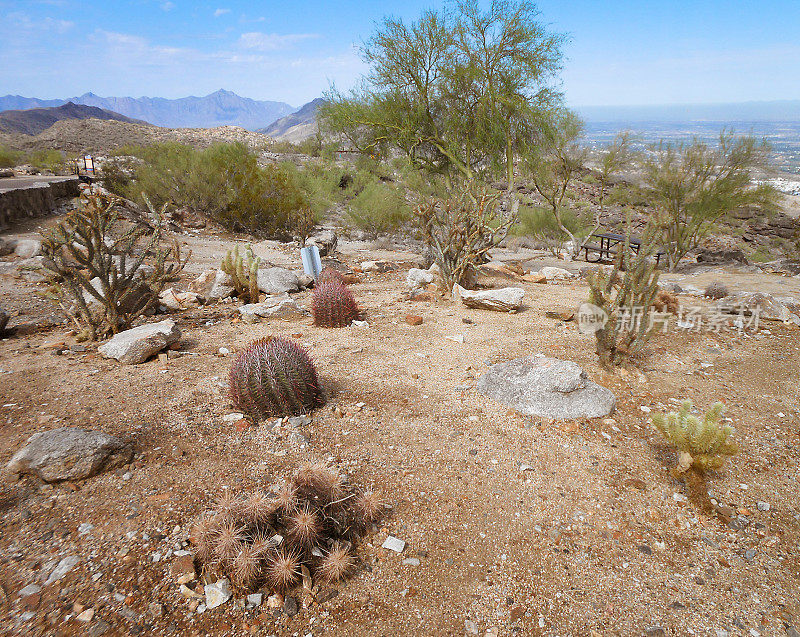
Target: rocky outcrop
x,y
140,343
502,300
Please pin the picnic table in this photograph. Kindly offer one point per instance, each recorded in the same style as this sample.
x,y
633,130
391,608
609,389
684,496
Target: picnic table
x,y
609,244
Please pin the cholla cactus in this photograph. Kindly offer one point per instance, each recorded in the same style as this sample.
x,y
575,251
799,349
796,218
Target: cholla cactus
x,y
274,377
702,444
243,269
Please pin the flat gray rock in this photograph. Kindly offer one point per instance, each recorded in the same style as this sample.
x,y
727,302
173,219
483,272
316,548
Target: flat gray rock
x,y
274,306
277,281
546,387
68,453
140,343
502,300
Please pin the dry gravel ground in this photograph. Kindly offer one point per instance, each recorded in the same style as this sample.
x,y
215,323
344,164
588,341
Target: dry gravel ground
x,y
593,538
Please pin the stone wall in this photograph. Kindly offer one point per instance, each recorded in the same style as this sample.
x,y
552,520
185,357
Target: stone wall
x,y
34,200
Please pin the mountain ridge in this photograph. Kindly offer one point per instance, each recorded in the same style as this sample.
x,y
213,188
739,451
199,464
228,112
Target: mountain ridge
x,y
36,120
220,108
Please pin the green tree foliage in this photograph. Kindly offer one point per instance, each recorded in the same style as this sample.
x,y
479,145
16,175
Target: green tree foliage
x,y
614,158
49,159
555,164
458,92
8,157
223,181
692,186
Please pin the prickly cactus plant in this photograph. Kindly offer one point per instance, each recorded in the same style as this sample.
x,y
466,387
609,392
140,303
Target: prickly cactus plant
x,y
702,444
243,269
333,305
329,274
274,377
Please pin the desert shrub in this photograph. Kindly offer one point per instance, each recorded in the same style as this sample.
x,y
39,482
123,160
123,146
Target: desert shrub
x,y
49,159
274,377
716,290
309,529
539,224
96,269
666,301
224,182
378,208
243,269
333,304
626,296
460,231
8,157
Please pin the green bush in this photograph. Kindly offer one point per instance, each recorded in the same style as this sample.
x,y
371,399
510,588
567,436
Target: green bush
x,y
223,181
8,157
379,207
52,160
536,220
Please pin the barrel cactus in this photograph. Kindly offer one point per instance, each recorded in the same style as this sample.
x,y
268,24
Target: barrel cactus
x,y
274,377
333,305
329,274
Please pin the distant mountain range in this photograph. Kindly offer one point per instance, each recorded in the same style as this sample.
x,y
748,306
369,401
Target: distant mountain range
x,y
35,120
298,126
217,109
774,111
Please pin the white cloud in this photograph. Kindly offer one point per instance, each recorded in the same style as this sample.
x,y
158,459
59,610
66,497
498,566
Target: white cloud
x,y
272,41
220,12
168,6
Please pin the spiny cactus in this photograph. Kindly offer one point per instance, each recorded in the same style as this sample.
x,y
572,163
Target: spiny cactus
x,y
312,522
274,377
333,305
702,444
716,290
626,295
329,274
243,269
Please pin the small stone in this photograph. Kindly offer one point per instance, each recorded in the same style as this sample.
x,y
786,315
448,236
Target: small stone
x,y
85,528
298,439
413,319
411,561
394,544
155,609
274,601
254,600
458,338
232,417
188,592
217,593
290,606
762,506
643,548
86,616
655,631
470,627
750,554
224,351
63,567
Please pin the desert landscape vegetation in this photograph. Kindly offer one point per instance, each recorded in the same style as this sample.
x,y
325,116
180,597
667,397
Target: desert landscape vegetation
x,y
420,358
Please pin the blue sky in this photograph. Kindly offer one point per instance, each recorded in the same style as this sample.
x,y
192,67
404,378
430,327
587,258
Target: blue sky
x,y
620,52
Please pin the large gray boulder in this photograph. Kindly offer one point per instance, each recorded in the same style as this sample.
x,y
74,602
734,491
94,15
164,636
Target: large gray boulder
x,y
502,300
546,387
70,454
140,343
273,306
277,281
27,248
766,306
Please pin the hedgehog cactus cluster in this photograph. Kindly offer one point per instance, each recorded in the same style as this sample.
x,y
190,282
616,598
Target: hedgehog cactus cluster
x,y
312,522
702,444
274,377
332,304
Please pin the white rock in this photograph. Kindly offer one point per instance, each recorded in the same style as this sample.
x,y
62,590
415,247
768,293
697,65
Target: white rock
x,y
417,278
177,300
556,274
213,285
394,544
217,593
86,616
63,567
277,281
254,600
275,306
27,248
30,589
140,343
458,338
502,300
377,266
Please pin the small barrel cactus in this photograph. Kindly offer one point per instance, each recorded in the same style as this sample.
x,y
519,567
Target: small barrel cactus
x,y
329,274
274,377
716,290
333,305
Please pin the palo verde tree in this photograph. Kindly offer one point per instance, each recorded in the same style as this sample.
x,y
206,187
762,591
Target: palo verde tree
x,y
693,186
553,165
614,158
458,91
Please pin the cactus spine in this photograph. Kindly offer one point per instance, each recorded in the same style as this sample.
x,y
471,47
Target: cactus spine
x,y
333,305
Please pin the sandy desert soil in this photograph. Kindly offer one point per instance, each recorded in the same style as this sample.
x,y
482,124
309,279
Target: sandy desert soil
x,y
593,537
